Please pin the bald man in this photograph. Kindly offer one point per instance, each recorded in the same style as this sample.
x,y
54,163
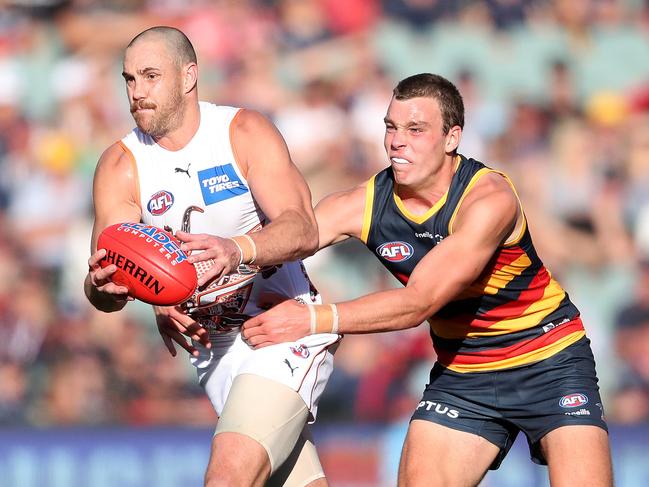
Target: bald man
x,y
222,179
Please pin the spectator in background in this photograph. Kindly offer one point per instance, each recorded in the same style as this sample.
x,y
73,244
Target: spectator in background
x,y
630,402
562,100
421,14
13,394
508,14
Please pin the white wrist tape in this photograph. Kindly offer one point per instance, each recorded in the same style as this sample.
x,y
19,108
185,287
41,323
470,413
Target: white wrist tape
x,y
240,251
334,326
312,319
323,318
247,248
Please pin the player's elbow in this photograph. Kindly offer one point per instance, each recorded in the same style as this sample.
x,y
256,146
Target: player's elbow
x,y
423,303
312,241
309,241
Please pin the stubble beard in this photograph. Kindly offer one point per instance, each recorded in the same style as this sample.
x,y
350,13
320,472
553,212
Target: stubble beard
x,y
166,117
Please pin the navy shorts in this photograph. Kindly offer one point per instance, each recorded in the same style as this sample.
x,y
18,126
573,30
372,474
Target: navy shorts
x,y
535,399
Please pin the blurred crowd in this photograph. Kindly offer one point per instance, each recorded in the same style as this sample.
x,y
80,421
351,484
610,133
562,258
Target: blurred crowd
x,y
556,95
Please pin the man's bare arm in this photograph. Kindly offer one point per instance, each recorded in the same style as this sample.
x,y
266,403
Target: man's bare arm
x,y
114,201
278,188
281,193
484,222
340,216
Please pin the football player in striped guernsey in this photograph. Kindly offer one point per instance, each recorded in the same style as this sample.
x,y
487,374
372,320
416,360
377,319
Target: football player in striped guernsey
x,y
512,352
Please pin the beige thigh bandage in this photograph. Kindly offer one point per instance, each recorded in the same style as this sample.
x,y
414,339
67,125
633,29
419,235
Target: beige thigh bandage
x,y
301,467
266,411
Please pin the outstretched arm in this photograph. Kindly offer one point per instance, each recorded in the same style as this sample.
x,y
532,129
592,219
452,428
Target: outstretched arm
x,y
487,217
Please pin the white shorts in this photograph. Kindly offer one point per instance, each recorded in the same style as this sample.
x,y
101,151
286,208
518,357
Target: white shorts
x,y
305,366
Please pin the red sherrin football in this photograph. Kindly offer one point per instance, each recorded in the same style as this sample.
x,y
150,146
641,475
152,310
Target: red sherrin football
x,y
149,263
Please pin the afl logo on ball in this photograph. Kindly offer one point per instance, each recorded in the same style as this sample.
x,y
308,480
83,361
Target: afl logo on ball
x,y
395,251
573,400
160,202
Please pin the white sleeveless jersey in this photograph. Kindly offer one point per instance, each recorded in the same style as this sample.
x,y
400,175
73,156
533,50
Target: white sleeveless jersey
x,y
204,174
200,188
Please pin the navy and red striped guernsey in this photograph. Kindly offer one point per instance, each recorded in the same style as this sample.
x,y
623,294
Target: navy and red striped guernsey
x,y
515,313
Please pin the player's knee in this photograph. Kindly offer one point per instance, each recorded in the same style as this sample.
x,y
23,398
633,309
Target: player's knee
x,y
234,476
236,460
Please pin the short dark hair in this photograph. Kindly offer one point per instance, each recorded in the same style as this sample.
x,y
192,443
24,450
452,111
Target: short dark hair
x,y
178,43
437,87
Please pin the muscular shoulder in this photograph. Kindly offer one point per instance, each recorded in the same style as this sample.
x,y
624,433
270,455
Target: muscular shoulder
x,y
491,199
256,141
249,123
492,187
117,159
116,169
341,214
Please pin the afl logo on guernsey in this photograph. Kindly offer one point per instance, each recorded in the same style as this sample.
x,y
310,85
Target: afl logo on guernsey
x,y
395,251
573,400
160,202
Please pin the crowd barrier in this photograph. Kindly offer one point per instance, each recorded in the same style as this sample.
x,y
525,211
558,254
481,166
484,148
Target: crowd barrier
x,y
353,456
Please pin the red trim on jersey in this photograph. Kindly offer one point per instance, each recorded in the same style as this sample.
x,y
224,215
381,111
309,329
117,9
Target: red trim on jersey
x,y
506,257
525,346
514,309
403,278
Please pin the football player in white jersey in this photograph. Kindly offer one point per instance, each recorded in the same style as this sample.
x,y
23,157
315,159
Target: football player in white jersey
x,y
232,169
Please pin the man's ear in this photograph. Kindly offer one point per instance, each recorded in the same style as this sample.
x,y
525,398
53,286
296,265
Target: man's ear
x,y
190,77
453,138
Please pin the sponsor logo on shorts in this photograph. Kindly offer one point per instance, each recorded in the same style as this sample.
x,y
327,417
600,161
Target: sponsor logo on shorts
x,y
160,202
601,409
574,400
580,412
292,369
395,251
300,351
439,409
220,183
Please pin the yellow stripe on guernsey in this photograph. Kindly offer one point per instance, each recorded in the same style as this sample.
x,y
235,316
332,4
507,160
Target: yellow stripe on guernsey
x,y
419,219
472,183
525,358
501,277
497,280
553,295
512,240
367,215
